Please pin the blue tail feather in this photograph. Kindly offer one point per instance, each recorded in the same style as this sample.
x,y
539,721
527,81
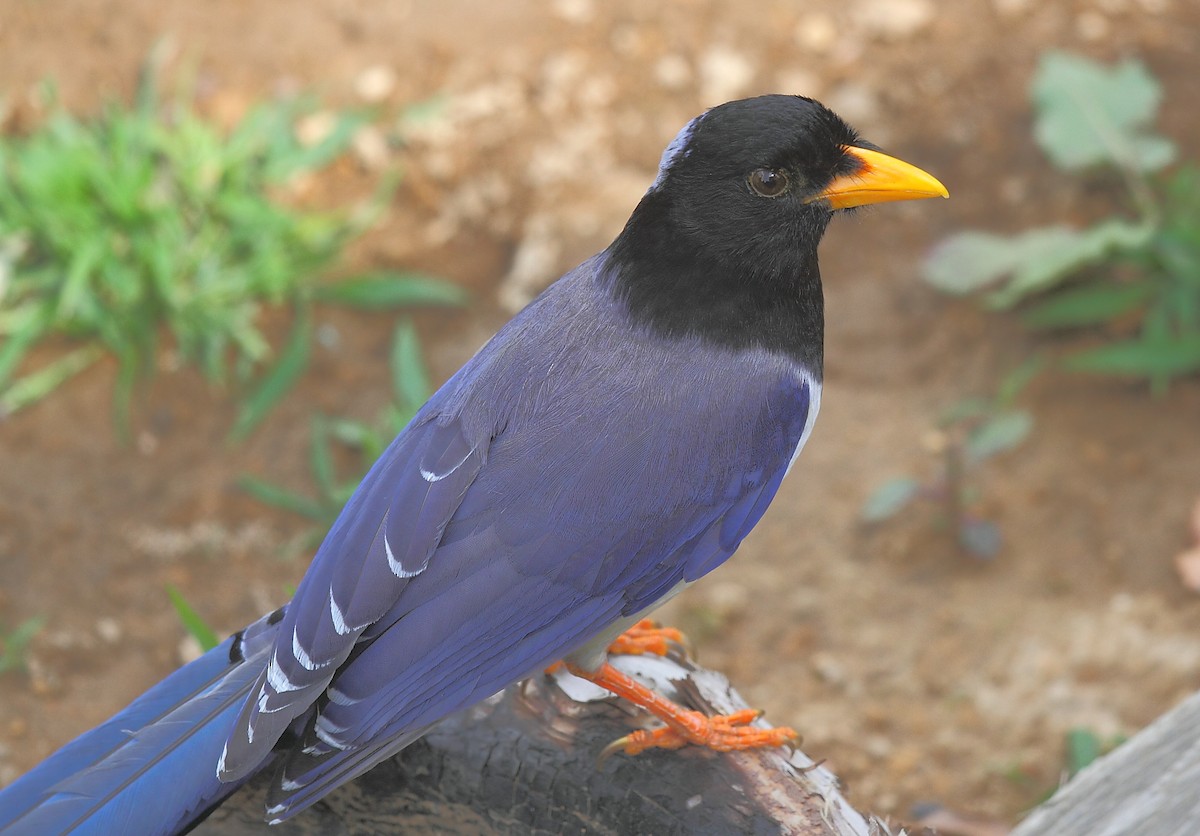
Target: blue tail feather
x,y
152,767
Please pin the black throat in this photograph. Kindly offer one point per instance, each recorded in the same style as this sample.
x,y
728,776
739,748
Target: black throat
x,y
741,297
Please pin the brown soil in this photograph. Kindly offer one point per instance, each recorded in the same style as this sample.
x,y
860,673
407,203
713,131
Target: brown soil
x,y
917,673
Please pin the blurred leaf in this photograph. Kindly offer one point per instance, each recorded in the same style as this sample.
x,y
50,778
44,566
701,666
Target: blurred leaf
x,y
191,620
1140,358
980,538
34,386
1083,747
320,456
1090,114
287,500
1091,304
889,498
1035,260
410,381
1000,433
964,409
1013,383
278,381
388,290
15,644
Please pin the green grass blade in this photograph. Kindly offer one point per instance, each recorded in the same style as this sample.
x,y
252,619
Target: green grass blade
x,y
278,381
410,381
192,622
1141,358
284,499
1089,305
321,457
389,289
36,385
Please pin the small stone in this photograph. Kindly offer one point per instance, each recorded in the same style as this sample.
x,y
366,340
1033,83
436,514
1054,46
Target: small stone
x,y
1092,26
828,668
147,442
855,102
109,630
189,650
673,72
1187,564
374,84
370,146
578,12
1011,8
798,81
893,19
816,32
316,127
725,74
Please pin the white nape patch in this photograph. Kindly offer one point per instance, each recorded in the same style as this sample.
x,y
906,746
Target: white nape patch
x,y
677,149
303,658
277,679
339,621
431,476
337,697
814,406
397,569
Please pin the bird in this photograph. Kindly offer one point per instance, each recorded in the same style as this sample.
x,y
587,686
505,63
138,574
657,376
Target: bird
x,y
609,446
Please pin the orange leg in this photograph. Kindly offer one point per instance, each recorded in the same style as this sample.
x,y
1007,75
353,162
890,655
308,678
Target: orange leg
x,y
724,733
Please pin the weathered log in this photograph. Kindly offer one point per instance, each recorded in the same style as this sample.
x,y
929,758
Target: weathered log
x,y
1146,786
526,762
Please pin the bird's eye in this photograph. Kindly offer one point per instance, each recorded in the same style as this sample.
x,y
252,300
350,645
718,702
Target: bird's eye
x,y
767,182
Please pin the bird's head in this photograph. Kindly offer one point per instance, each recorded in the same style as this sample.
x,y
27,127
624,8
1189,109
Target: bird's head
x,y
765,175
723,246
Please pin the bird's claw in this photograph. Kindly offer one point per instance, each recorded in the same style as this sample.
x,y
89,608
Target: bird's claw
x,y
721,733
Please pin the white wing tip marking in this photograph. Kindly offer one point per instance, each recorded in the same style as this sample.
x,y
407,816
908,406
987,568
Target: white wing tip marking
x,y
327,739
339,620
395,565
277,679
303,658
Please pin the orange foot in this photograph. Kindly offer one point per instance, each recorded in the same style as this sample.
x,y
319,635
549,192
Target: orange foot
x,y
642,638
724,733
647,637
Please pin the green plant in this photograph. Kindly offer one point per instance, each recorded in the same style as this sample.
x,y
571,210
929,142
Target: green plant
x,y
1137,279
148,219
14,644
367,441
192,621
968,433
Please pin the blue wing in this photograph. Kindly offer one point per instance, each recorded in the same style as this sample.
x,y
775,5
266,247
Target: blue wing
x,y
569,476
539,498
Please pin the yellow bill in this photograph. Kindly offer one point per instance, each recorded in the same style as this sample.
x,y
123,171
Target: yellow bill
x,y
879,179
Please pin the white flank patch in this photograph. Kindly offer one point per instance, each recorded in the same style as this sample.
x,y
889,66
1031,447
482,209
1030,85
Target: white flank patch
x,y
814,406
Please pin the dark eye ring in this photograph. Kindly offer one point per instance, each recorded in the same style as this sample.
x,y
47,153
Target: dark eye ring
x,y
767,182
